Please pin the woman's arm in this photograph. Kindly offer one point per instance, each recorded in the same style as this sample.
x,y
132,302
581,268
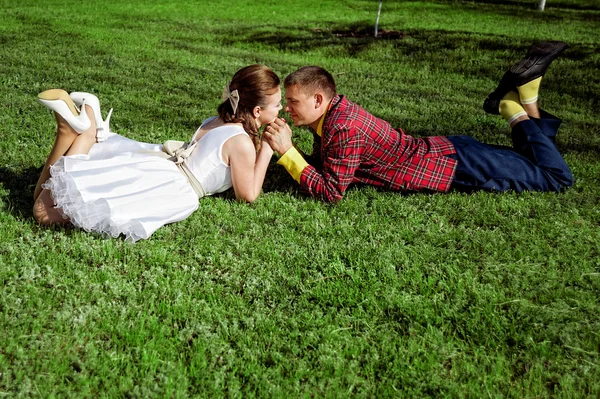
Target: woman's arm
x,y
248,168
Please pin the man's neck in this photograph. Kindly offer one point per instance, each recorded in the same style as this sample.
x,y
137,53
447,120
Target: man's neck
x,y
318,124
315,125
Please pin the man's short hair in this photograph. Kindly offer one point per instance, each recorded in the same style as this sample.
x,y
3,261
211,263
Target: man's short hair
x,y
312,78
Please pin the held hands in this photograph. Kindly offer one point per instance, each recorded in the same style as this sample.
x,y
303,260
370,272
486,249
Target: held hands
x,y
279,135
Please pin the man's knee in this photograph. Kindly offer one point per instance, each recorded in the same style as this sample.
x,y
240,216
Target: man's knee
x,y
562,180
568,180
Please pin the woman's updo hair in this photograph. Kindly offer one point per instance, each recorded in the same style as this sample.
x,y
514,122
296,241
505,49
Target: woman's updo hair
x,y
253,84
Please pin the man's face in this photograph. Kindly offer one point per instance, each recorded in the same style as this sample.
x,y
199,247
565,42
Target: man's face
x,y
301,106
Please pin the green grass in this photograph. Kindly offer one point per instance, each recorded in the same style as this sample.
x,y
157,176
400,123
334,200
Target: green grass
x,y
382,295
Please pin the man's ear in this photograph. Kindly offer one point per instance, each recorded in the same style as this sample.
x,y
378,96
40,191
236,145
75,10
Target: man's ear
x,y
318,100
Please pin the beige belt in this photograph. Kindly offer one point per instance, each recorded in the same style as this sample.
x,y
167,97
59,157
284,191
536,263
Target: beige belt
x,y
178,151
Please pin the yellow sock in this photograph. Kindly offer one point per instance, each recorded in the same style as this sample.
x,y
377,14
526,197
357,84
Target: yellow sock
x,y
528,93
510,107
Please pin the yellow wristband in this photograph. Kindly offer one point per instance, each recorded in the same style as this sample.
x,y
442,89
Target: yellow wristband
x,y
293,162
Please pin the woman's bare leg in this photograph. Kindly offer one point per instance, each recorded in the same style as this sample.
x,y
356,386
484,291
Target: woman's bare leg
x,y
44,211
84,142
65,136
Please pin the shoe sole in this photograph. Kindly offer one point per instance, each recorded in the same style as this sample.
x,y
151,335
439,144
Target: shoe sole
x,y
549,50
59,94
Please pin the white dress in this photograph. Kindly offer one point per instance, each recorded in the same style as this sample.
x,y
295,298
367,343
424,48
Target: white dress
x,y
124,187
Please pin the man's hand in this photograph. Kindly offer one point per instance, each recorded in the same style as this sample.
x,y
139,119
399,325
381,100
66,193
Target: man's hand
x,y
279,136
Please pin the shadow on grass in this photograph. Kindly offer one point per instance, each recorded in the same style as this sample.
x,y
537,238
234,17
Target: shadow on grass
x,y
279,180
439,49
582,5
20,186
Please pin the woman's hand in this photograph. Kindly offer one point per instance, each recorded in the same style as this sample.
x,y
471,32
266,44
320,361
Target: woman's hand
x,y
279,135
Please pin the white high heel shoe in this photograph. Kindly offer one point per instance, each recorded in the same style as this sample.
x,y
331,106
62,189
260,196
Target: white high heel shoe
x,y
59,101
102,126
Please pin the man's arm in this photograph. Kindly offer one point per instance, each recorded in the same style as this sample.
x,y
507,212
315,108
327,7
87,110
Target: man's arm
x,y
341,159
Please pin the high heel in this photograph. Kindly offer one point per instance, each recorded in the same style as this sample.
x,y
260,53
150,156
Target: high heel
x,y
102,126
59,101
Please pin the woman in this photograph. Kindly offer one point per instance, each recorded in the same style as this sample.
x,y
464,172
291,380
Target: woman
x,y
106,183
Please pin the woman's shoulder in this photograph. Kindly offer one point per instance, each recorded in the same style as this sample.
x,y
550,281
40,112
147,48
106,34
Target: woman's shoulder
x,y
214,122
238,145
228,131
214,126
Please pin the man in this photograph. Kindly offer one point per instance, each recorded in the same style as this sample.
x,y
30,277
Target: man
x,y
353,146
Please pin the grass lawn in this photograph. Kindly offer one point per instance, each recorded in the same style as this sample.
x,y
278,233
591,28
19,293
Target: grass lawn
x,y
382,295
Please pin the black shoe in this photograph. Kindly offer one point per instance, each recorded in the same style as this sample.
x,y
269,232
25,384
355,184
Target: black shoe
x,y
532,66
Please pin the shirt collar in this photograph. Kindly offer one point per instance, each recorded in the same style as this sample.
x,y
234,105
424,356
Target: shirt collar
x,y
320,127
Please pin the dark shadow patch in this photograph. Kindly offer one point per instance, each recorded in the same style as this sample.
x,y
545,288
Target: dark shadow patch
x,y
337,39
432,47
369,33
279,180
582,5
20,186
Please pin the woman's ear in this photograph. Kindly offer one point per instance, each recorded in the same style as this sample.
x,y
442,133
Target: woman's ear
x,y
256,112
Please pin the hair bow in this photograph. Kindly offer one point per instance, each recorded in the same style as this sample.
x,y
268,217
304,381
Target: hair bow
x,y
232,96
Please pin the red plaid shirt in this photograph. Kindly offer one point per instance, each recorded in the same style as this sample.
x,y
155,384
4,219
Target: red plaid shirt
x,y
357,147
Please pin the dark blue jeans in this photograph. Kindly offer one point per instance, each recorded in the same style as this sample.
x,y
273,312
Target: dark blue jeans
x,y
533,163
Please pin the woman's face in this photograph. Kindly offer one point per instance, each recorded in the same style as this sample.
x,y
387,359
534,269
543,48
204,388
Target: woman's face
x,y
270,111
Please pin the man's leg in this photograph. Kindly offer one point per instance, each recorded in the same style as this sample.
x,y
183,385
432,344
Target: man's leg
x,y
534,163
486,167
535,139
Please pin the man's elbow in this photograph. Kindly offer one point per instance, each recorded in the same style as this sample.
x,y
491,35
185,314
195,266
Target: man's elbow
x,y
332,197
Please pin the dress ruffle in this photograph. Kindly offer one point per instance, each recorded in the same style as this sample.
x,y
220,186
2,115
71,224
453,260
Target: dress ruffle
x,y
93,216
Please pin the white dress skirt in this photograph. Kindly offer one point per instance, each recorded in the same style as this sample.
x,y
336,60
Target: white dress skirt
x,y
121,187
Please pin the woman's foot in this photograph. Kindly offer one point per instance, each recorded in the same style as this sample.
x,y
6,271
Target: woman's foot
x,y
59,101
102,126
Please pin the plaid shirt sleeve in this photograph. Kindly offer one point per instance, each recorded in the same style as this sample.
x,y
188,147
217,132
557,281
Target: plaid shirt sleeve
x,y
340,163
